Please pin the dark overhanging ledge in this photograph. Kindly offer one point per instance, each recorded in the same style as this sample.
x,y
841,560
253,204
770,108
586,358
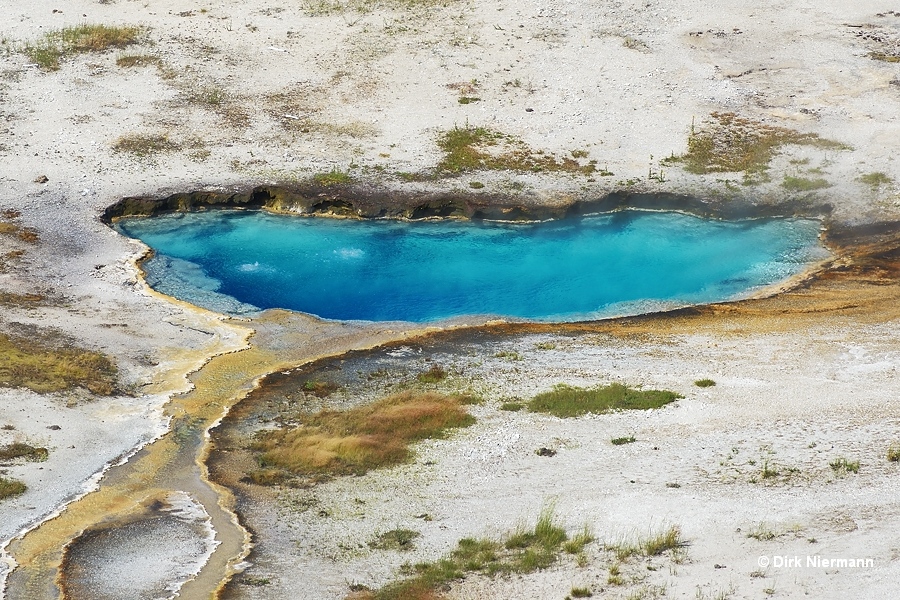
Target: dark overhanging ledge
x,y
365,202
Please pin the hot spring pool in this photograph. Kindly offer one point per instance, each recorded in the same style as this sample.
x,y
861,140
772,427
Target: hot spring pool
x,y
573,269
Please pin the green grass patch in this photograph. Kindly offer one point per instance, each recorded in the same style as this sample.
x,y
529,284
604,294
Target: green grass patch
x,y
363,438
433,375
704,383
79,39
395,539
468,99
732,144
144,144
522,552
479,148
875,180
332,178
512,406
802,184
46,363
842,465
22,450
11,487
581,592
621,441
570,401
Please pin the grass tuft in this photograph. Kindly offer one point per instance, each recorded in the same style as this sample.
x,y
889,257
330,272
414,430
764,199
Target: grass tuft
x,y
22,450
363,438
11,487
395,539
79,39
621,441
893,453
570,401
843,465
653,545
704,383
433,375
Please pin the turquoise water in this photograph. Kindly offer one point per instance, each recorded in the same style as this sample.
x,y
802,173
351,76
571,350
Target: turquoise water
x,y
622,263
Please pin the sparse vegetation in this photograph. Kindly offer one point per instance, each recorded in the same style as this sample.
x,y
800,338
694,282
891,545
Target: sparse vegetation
x,y
395,539
59,44
144,144
524,551
581,592
433,375
875,180
621,441
128,61
11,487
893,452
654,544
704,383
545,346
332,178
842,465
321,389
802,184
512,406
570,401
478,148
508,354
762,532
360,439
733,144
44,362
22,450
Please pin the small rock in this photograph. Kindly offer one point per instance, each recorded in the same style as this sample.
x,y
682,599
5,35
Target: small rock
x,y
54,427
42,179
529,110
718,566
545,452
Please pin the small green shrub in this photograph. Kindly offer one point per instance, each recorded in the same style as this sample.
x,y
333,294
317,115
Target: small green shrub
x,y
768,471
508,354
468,99
570,401
704,383
581,592
621,441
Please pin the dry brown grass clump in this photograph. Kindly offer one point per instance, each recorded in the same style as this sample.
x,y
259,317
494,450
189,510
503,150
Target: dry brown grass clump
x,y
36,363
360,439
144,145
733,144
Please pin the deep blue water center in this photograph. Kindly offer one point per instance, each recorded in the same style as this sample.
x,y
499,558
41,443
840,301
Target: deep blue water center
x,y
621,263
